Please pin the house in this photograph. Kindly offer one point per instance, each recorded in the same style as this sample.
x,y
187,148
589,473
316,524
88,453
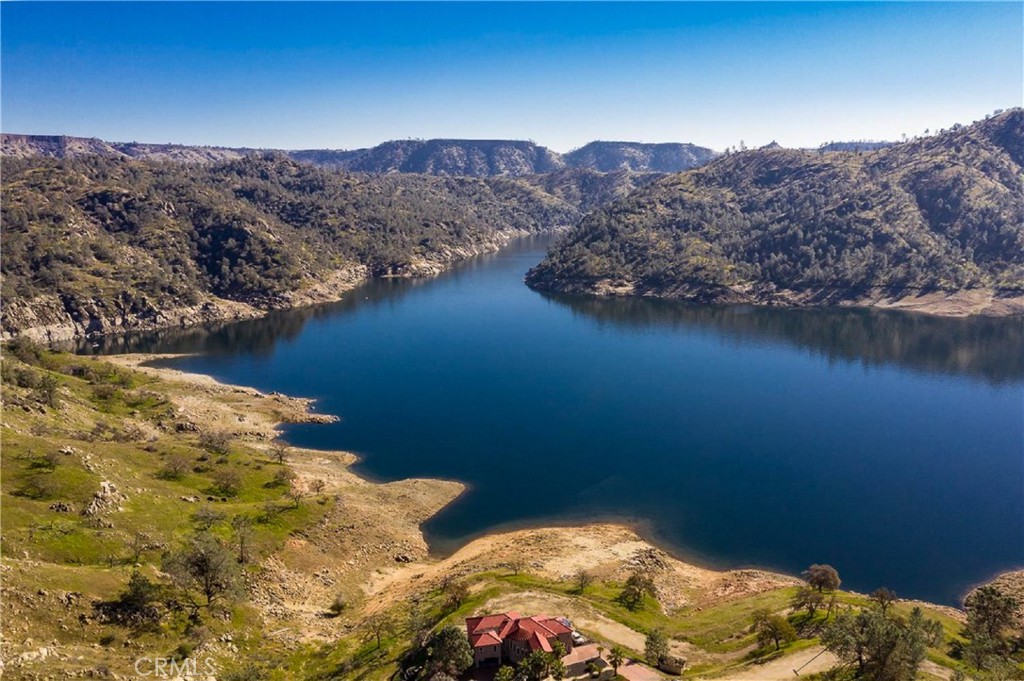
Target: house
x,y
507,638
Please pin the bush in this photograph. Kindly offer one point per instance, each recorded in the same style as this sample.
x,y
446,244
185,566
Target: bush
x,y
47,391
283,477
174,467
338,605
26,350
227,482
135,605
216,442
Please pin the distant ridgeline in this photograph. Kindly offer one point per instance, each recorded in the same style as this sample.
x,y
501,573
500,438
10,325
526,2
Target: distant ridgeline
x,y
471,158
779,226
102,242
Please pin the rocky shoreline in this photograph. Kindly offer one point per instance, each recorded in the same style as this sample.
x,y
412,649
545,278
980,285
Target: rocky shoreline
x,y
963,303
54,319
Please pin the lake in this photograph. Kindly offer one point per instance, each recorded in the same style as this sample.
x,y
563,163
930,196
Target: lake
x,y
889,445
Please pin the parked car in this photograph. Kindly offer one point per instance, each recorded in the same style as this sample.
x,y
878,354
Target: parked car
x,y
578,638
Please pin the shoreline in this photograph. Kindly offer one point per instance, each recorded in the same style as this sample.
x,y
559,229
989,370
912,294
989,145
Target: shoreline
x,y
964,303
457,551
46,319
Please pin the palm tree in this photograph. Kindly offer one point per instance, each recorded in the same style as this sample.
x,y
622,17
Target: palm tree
x,y
616,658
505,673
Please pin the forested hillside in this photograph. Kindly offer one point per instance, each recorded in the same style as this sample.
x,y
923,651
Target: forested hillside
x,y
943,213
452,157
670,157
94,243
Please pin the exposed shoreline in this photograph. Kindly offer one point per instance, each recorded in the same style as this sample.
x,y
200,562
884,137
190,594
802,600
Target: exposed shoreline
x,y
47,319
963,303
504,540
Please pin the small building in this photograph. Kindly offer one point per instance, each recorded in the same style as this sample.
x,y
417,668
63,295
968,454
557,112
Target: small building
x,y
507,638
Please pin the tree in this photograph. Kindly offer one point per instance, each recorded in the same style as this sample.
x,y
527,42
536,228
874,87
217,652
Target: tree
x,y
278,451
316,486
204,570
517,565
883,598
582,579
139,543
822,577
296,492
638,584
990,612
556,668
535,666
378,626
505,673
47,391
772,628
134,606
457,592
807,599
242,525
448,651
227,482
175,467
655,647
419,624
205,517
283,478
884,647
615,658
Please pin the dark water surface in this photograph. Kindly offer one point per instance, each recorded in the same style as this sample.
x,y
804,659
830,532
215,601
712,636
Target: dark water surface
x,y
888,445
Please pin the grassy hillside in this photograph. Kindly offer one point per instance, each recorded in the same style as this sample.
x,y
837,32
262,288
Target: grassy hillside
x,y
942,213
100,240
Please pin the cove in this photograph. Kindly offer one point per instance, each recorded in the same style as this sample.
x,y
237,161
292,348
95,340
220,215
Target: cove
x,y
889,445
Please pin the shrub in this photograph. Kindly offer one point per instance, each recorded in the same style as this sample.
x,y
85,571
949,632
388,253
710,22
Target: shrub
x,y
227,482
216,442
174,467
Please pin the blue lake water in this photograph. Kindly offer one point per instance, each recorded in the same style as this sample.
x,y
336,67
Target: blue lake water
x,y
889,445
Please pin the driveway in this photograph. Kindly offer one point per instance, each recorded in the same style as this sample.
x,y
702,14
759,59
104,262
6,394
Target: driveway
x,y
638,671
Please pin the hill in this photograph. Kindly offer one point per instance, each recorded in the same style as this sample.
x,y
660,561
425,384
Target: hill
x,y
936,223
453,157
855,146
94,244
64,146
636,156
473,158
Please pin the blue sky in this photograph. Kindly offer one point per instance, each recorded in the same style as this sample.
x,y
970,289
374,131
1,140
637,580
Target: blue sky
x,y
316,75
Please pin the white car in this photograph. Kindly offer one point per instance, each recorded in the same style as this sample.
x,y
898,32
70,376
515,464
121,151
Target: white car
x,y
578,638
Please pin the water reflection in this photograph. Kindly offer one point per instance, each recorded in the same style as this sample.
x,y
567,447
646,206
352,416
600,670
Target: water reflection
x,y
986,348
983,347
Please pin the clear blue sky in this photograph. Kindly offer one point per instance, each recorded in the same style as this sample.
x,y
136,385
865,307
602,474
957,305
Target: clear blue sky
x,y
304,75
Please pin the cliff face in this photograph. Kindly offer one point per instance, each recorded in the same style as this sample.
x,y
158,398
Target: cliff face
x,y
940,216
450,157
63,146
473,158
638,157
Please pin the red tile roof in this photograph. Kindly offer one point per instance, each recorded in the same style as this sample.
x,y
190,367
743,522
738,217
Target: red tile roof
x,y
488,638
535,631
476,625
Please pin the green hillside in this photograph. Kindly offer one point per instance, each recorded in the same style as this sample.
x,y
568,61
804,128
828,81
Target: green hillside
x,y
941,213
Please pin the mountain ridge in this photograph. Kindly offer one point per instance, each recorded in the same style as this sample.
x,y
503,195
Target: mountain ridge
x,y
440,156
